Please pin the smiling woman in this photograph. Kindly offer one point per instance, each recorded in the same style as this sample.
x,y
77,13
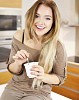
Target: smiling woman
x,y
43,21
46,49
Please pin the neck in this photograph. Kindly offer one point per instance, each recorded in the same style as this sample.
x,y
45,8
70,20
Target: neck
x,y
39,38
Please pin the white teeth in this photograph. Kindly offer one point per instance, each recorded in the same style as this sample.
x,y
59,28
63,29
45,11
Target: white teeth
x,y
40,27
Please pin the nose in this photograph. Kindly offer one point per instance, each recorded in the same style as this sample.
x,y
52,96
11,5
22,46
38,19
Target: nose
x,y
41,21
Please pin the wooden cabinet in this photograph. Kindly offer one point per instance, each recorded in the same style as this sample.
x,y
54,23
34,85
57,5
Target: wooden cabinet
x,y
11,3
70,88
5,77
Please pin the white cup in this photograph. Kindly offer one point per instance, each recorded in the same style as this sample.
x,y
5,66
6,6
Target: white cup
x,y
28,66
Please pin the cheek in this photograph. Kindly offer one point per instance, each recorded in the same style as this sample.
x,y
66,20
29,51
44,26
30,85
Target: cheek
x,y
35,20
49,25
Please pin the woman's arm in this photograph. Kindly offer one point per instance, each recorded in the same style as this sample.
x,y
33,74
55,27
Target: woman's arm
x,y
19,58
51,79
14,68
46,78
59,68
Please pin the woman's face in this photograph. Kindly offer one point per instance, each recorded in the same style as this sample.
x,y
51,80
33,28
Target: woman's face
x,y
43,20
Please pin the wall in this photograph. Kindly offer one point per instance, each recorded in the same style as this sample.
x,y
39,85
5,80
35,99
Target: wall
x,y
68,14
25,7
77,42
77,30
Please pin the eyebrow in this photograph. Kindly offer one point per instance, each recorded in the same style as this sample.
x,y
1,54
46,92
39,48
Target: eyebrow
x,y
45,15
48,16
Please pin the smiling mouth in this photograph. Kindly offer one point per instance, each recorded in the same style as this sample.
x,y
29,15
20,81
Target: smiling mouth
x,y
40,27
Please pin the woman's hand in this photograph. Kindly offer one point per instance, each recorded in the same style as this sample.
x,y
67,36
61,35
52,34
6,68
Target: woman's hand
x,y
21,57
38,71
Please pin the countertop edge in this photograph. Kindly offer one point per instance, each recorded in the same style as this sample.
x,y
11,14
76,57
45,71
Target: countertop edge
x,y
73,64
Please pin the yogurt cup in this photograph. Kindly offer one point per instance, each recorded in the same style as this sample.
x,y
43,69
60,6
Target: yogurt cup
x,y
28,66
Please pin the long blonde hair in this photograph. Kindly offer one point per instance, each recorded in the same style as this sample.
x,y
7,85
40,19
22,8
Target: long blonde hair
x,y
48,51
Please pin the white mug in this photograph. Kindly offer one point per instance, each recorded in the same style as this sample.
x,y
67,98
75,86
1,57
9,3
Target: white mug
x,y
28,66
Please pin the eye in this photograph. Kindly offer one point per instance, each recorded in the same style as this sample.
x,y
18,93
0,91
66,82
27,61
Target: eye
x,y
48,18
36,16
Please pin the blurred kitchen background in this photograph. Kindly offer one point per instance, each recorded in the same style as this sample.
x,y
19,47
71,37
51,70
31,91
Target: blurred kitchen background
x,y
12,18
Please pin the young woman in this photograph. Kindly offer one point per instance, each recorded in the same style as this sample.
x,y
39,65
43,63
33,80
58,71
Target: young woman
x,y
39,43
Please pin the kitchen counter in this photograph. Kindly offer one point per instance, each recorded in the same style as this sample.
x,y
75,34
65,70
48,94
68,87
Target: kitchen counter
x,y
73,61
70,88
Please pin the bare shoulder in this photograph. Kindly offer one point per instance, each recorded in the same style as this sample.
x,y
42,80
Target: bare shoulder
x,y
18,35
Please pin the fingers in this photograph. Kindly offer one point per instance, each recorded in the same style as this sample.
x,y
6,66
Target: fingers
x,y
25,53
37,70
36,73
22,54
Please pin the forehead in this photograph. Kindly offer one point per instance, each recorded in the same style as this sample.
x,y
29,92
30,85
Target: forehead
x,y
44,10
